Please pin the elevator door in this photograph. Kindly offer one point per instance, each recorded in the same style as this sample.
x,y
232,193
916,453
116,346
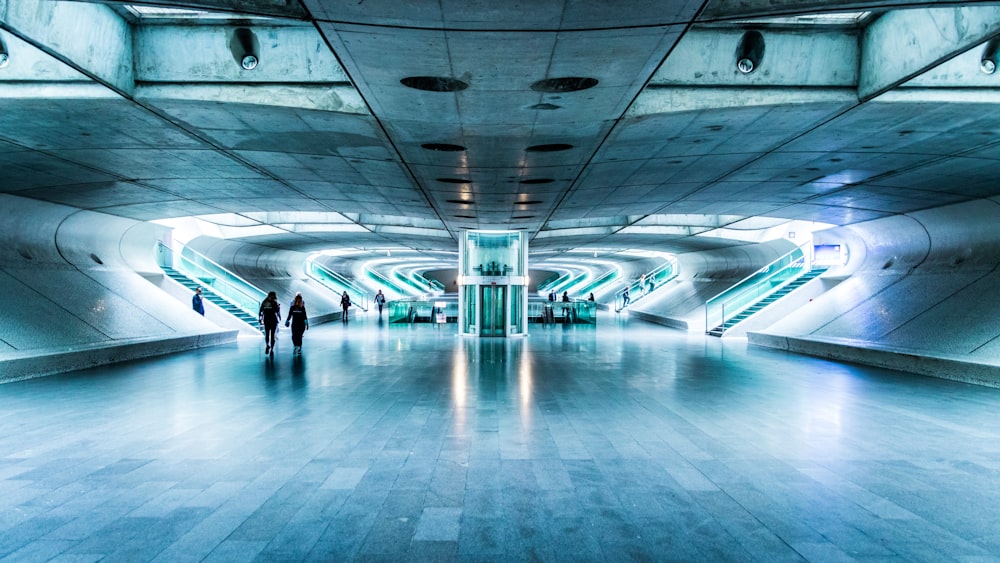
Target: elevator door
x,y
493,313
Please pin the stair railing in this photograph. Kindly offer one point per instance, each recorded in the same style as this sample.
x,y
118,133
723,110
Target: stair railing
x,y
600,281
547,285
212,275
647,283
753,288
337,283
384,280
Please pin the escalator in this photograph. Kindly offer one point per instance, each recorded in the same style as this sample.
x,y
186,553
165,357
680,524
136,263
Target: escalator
x,y
757,291
210,295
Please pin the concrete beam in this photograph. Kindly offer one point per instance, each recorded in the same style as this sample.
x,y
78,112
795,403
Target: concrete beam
x,y
341,98
272,8
721,10
202,54
904,44
660,100
90,38
812,57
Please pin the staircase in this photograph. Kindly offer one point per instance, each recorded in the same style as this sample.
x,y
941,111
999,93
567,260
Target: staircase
x,y
207,293
770,298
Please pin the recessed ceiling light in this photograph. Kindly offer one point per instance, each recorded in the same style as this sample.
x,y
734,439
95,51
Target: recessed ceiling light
x,y
445,147
537,181
455,180
565,84
549,148
463,201
434,83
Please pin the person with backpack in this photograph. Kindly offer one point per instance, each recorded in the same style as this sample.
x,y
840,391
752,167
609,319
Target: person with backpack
x,y
299,321
269,315
380,301
345,303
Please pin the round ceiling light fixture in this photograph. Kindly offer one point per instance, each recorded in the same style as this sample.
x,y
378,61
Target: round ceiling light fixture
x,y
434,83
443,147
988,60
564,84
245,48
554,147
749,52
249,62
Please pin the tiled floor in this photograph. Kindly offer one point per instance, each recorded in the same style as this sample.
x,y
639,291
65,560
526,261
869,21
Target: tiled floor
x,y
625,442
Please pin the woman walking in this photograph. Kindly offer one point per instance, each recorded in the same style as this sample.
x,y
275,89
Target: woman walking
x,y
345,303
299,321
269,315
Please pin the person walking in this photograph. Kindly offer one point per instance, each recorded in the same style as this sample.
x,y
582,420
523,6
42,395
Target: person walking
x,y
625,298
197,303
380,301
345,303
299,321
269,315
298,294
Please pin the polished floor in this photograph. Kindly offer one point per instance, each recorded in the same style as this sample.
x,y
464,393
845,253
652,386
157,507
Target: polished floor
x,y
628,442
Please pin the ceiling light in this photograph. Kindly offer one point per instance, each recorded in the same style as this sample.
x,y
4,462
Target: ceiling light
x,y
249,62
749,52
988,61
434,83
245,48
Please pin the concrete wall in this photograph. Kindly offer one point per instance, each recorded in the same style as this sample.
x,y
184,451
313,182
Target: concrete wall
x,y
920,292
74,296
681,302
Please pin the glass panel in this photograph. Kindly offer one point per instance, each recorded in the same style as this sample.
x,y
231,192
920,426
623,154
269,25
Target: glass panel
x,y
492,254
212,276
469,319
647,283
516,312
337,283
493,309
753,288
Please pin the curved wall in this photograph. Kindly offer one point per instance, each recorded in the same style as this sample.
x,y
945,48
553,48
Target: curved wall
x,y
920,292
79,302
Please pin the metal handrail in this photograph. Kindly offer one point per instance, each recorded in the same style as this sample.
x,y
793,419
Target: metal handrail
x,y
601,280
657,276
544,286
385,280
222,282
744,293
313,268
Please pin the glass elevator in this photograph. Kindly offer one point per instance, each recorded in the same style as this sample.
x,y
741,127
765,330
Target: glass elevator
x,y
493,283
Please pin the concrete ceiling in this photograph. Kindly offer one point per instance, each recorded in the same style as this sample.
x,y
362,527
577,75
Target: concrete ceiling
x,y
324,144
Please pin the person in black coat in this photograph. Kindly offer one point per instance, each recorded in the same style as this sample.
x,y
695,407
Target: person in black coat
x,y
299,321
269,315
